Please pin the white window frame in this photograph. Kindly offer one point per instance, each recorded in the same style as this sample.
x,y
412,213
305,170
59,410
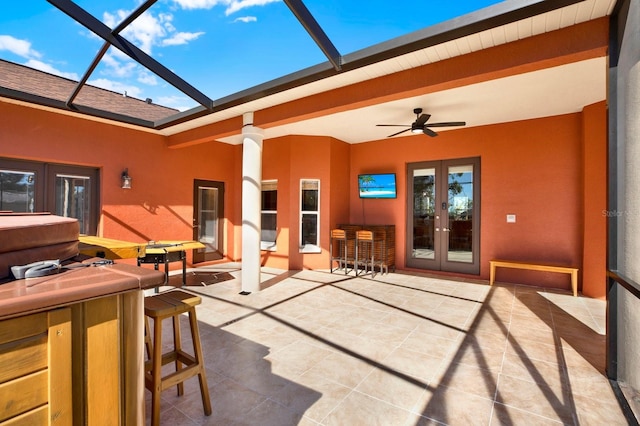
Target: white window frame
x,y
309,248
269,245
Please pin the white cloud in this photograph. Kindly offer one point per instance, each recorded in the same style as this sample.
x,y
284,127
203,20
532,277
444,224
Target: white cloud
x,y
118,64
145,77
116,86
200,4
181,38
18,47
39,65
144,31
150,30
246,19
232,5
181,103
236,5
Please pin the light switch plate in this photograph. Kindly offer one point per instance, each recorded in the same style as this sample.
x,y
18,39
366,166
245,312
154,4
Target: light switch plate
x,y
511,218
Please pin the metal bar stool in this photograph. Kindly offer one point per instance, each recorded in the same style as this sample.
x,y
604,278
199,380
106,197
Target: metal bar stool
x,y
339,238
170,305
364,252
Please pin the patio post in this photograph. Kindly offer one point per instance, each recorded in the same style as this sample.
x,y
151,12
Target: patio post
x,y
251,201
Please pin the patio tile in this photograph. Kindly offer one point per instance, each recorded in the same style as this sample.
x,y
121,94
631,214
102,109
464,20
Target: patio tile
x,y
361,409
506,415
470,379
396,389
399,349
455,407
548,400
317,397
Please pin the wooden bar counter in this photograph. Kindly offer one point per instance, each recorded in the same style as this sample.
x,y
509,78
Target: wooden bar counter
x,y
71,347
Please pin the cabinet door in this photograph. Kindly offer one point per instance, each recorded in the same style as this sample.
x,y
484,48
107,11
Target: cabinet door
x,y
35,380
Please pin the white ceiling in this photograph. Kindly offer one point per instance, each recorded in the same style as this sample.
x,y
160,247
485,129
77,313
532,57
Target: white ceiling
x,y
560,90
553,91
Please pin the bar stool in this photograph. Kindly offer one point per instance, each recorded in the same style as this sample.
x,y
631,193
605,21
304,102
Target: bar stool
x,y
339,238
364,251
170,305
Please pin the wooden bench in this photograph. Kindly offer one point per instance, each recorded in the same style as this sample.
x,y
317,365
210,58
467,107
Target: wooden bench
x,y
532,266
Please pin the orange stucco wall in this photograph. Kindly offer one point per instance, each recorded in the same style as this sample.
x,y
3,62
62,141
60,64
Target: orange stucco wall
x,y
160,205
532,169
289,160
549,172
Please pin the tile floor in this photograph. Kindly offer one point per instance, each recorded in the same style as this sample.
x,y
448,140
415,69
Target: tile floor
x,y
314,348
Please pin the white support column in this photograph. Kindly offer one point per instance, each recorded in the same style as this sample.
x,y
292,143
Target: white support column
x,y
251,200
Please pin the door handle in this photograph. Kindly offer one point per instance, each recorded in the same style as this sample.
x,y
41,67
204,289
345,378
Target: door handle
x,y
446,229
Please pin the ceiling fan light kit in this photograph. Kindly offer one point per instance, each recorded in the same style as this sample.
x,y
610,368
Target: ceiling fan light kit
x,y
421,126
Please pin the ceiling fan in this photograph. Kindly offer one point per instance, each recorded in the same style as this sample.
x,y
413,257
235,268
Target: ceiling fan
x,y
421,126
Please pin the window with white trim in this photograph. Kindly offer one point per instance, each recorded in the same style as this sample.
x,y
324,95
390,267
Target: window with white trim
x,y
310,216
269,214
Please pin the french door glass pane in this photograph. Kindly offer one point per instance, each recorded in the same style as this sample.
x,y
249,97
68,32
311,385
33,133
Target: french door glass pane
x,y
73,199
208,215
17,191
460,213
424,196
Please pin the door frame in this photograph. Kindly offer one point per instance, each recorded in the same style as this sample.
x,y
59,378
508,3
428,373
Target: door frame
x,y
440,261
201,255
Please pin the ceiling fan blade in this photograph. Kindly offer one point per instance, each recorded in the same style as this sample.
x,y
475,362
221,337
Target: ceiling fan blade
x,y
397,133
448,124
422,119
392,125
427,131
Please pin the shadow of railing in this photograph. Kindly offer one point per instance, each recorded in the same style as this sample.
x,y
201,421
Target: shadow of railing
x,y
574,333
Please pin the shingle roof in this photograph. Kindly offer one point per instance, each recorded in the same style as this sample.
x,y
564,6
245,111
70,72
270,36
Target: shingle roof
x,y
24,79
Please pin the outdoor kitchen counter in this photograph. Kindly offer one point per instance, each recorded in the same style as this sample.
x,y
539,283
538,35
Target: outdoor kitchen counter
x,y
72,286
76,341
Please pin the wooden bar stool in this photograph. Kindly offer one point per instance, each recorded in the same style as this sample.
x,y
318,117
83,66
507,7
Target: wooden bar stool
x,y
170,305
338,238
365,252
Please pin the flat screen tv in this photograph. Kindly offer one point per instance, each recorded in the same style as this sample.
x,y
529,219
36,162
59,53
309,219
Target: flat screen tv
x,y
377,185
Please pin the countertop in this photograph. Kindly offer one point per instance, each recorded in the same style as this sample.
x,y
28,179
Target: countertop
x,y
72,285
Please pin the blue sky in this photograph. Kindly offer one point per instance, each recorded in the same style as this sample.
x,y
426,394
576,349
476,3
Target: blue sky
x,y
218,46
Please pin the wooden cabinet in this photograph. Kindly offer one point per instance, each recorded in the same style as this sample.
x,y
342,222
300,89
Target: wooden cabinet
x,y
35,378
76,365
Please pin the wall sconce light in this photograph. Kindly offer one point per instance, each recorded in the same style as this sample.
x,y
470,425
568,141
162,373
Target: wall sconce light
x,y
126,179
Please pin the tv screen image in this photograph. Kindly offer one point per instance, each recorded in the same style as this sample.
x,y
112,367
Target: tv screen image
x,y
377,185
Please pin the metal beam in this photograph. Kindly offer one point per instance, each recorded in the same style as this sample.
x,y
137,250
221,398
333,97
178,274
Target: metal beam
x,y
86,75
101,30
121,26
316,32
494,16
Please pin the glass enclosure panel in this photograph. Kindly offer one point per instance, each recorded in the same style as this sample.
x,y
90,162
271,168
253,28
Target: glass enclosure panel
x,y
208,218
424,202
460,201
309,229
17,191
73,199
